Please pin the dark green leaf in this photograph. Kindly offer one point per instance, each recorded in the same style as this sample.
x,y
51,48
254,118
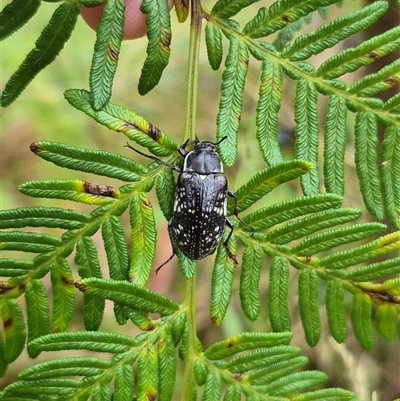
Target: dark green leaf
x,y
335,145
13,330
144,238
335,310
278,293
222,280
386,317
280,14
89,266
63,288
212,386
89,340
37,307
214,45
266,180
330,34
165,188
14,268
147,373
303,227
122,120
16,14
277,213
225,9
96,162
106,52
376,271
27,242
316,243
129,294
307,133
42,217
352,59
366,144
250,280
390,170
49,44
309,306
244,342
158,50
124,382
372,84
230,105
269,103
361,309
166,366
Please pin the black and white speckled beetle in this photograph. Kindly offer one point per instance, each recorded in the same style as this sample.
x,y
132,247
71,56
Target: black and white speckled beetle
x,y
201,197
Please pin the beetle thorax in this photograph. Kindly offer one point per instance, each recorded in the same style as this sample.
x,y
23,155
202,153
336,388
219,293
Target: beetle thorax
x,y
204,159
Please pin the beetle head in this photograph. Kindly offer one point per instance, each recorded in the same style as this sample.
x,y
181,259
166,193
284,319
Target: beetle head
x,y
204,159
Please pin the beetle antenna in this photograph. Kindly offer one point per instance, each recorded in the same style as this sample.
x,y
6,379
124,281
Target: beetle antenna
x,y
156,159
221,140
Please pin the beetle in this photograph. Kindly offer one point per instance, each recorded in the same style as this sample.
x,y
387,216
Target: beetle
x,y
200,207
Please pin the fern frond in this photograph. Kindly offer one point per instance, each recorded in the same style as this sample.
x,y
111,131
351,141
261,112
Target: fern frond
x,y
13,337
106,52
278,290
335,145
250,280
306,117
222,280
269,103
13,267
37,307
333,32
373,84
89,266
335,310
158,49
214,45
181,9
96,162
16,14
165,188
230,106
53,217
361,310
47,48
225,9
122,120
266,180
27,242
62,282
366,143
279,15
260,367
129,294
352,59
144,238
277,213
74,190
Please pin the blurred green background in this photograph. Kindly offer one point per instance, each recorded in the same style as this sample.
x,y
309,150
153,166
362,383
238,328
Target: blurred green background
x,y
41,113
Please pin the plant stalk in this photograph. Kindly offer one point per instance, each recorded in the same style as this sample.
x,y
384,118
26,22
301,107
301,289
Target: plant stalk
x,y
189,383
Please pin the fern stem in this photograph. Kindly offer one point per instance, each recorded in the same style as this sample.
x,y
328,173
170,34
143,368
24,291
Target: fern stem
x,y
193,70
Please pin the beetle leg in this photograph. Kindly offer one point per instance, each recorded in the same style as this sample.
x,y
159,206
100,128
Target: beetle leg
x,y
156,159
235,211
230,254
173,249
